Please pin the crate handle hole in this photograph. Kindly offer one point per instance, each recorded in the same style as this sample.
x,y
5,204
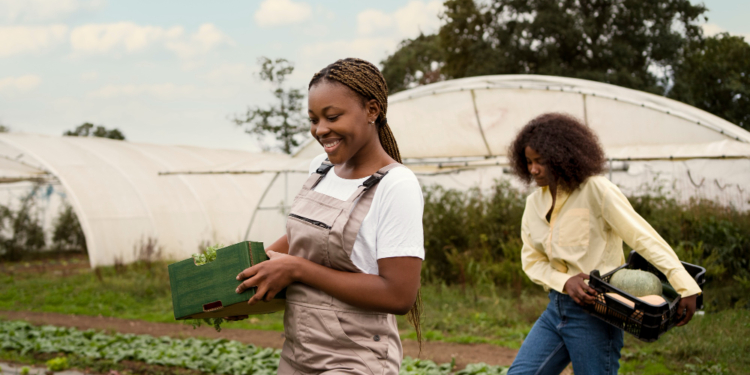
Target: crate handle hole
x,y
213,306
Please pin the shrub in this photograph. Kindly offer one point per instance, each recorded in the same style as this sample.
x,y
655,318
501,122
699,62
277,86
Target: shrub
x,y
20,230
67,234
473,237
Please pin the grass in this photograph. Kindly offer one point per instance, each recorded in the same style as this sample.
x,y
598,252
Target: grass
x,y
712,344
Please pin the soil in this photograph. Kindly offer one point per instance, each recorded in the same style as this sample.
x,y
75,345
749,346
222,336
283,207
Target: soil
x,y
440,352
56,264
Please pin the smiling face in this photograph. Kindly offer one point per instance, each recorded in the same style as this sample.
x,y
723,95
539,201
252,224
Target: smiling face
x,y
341,122
537,167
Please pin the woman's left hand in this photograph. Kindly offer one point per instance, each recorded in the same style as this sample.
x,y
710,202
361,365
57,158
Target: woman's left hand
x,y
687,304
270,277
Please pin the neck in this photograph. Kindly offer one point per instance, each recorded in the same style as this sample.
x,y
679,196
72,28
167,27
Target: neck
x,y
365,162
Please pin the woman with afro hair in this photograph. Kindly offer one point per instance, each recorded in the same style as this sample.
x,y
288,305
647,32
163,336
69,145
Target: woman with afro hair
x,y
576,222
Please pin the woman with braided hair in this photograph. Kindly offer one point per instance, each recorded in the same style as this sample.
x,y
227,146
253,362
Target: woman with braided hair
x,y
354,246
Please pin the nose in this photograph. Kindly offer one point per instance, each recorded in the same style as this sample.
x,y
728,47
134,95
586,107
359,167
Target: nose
x,y
534,169
320,129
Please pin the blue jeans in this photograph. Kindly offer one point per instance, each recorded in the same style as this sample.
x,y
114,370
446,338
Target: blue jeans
x,y
565,333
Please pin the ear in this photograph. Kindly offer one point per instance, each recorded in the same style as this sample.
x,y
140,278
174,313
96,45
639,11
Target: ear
x,y
373,110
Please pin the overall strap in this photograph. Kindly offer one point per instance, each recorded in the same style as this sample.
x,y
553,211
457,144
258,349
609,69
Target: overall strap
x,y
358,205
370,182
315,178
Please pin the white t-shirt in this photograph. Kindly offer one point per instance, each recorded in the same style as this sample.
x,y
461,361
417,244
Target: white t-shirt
x,y
393,225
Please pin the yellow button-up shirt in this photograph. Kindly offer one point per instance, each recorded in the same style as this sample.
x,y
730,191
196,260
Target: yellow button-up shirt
x,y
585,233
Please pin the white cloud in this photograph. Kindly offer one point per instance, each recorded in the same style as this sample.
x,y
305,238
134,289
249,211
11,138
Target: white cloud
x,y
23,83
43,10
319,55
405,22
711,29
370,21
89,76
105,38
229,74
379,34
166,91
201,42
128,37
282,12
24,39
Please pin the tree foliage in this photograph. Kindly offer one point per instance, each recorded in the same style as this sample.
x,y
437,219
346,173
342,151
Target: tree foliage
x,y
283,119
715,76
87,129
417,62
612,41
650,45
21,230
68,234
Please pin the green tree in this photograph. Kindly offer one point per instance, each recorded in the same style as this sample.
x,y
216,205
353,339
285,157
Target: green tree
x,y
282,120
417,62
68,234
612,41
21,230
85,130
714,75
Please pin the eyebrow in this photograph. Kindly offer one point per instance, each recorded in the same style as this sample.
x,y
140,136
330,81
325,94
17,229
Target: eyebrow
x,y
324,109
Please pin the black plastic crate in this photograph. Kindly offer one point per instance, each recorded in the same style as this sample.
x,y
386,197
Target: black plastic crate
x,y
645,321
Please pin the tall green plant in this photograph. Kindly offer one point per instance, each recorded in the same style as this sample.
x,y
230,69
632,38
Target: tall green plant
x,y
67,234
21,230
473,238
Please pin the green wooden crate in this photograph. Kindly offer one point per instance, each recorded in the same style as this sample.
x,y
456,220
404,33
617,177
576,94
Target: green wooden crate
x,y
208,290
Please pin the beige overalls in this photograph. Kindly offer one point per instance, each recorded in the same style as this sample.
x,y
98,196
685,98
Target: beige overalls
x,y
324,334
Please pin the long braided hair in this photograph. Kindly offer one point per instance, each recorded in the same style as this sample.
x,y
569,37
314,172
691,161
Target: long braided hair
x,y
365,79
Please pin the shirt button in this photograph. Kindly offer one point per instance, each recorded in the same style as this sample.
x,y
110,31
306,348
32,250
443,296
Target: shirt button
x,y
376,338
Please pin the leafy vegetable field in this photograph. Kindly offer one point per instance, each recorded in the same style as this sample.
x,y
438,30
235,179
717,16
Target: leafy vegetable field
x,y
211,356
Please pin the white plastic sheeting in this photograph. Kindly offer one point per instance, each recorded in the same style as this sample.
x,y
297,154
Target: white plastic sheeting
x,y
121,200
478,117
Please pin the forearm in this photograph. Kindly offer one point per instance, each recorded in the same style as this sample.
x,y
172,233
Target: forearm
x,y
370,292
280,246
641,236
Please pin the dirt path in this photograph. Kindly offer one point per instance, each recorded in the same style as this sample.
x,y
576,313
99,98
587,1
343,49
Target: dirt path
x,y
440,352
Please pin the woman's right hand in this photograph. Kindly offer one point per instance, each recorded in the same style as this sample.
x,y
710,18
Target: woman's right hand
x,y
581,292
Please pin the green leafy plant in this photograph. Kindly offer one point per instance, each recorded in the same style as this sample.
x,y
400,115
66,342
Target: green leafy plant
x,y
58,364
206,256
25,370
211,356
213,322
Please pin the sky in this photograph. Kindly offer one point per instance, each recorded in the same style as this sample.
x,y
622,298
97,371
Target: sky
x,y
170,72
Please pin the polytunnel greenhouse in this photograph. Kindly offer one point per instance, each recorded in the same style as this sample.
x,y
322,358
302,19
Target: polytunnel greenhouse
x,y
453,133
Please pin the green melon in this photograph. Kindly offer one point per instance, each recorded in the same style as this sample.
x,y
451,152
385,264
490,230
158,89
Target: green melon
x,y
637,283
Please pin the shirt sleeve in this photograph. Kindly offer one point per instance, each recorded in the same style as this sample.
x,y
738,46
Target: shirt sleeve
x,y
535,263
641,236
399,231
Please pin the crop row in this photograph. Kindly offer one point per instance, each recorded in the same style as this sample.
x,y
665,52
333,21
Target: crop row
x,y
212,356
